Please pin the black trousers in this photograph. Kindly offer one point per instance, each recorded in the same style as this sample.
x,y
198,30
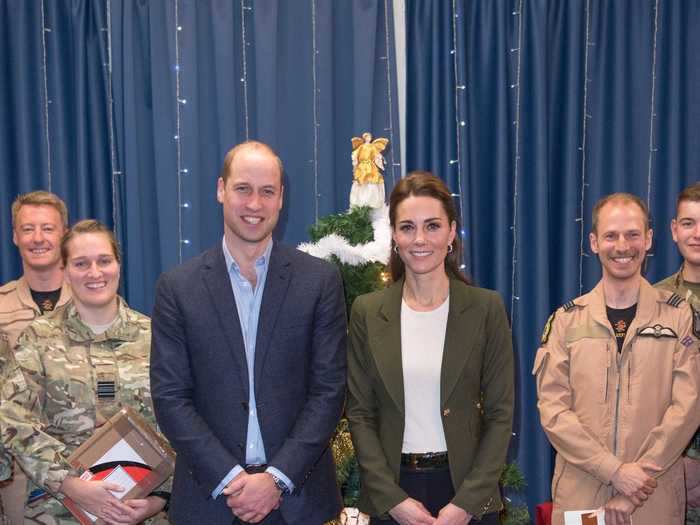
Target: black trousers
x,y
433,488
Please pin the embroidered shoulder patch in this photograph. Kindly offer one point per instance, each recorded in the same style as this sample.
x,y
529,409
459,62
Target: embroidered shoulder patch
x,y
547,329
675,300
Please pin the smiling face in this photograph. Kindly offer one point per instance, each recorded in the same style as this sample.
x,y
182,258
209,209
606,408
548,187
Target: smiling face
x,y
37,234
251,197
422,232
621,240
92,270
685,229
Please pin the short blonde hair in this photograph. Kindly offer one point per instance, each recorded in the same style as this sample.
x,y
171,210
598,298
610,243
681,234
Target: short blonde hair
x,y
39,198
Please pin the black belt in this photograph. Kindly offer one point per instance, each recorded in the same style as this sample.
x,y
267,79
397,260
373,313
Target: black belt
x,y
427,461
255,468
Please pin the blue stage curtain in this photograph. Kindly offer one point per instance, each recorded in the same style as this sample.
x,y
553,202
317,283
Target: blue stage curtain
x,y
531,110
53,110
145,98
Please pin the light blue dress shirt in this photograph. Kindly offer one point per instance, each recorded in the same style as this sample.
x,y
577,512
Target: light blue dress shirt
x,y
248,301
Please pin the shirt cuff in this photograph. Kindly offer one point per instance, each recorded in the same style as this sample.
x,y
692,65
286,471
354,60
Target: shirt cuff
x,y
235,471
282,476
607,468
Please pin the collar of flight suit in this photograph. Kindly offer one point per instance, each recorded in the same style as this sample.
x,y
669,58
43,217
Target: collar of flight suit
x,y
25,295
647,308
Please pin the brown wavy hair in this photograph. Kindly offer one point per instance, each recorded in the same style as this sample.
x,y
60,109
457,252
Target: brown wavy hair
x,y
425,184
89,226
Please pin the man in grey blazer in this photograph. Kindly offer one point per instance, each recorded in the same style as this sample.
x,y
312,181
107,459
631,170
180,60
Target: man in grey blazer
x,y
248,364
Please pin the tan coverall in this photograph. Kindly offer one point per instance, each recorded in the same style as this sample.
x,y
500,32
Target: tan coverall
x,y
600,408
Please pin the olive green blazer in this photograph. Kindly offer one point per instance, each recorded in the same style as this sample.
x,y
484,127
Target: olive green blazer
x,y
476,396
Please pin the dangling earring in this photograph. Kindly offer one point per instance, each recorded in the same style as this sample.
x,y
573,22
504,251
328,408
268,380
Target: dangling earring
x,y
449,248
396,249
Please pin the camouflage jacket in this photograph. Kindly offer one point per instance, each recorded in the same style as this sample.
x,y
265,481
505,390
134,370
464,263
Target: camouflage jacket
x,y
17,311
65,382
5,365
675,283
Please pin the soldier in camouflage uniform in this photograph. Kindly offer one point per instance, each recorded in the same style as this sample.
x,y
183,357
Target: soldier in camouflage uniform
x,y
39,220
685,228
71,372
5,459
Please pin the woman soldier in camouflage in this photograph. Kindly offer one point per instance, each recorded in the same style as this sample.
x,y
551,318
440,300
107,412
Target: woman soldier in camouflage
x,y
74,371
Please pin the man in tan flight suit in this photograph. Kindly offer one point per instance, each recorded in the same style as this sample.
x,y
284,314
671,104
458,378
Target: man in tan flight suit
x,y
685,228
617,383
39,220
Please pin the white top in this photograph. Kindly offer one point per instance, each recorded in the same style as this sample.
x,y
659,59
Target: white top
x,y
422,344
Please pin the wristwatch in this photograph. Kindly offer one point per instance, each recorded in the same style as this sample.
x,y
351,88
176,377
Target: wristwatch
x,y
280,484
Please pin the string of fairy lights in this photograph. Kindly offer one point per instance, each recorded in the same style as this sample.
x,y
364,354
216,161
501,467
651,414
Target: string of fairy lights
x,y
180,101
582,148
244,78
389,69
316,91
516,161
116,172
47,101
652,108
460,95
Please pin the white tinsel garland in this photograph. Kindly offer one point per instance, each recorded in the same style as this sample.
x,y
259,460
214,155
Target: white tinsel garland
x,y
375,251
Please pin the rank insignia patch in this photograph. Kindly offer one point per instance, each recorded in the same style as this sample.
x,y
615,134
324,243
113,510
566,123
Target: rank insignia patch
x,y
687,341
569,305
675,300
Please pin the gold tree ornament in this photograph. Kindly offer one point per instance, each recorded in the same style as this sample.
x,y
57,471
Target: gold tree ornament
x,y
368,163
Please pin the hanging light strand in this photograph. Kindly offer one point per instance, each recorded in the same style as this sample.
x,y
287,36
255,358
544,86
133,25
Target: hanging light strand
x,y
314,64
47,101
244,79
516,162
390,128
652,108
178,132
460,123
110,119
584,127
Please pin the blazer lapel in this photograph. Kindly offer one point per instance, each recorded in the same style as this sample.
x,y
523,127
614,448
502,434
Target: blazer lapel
x,y
460,339
276,284
388,344
218,283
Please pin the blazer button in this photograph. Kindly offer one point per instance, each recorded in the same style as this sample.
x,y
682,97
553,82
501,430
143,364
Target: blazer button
x,y
446,412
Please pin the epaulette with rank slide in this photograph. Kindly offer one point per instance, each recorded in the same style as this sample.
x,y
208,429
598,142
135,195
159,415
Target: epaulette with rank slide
x,y
675,300
569,305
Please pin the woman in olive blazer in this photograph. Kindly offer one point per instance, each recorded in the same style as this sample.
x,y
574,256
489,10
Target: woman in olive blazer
x,y
476,376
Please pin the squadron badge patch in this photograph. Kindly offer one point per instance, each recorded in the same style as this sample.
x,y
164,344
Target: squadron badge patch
x,y
696,322
547,329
